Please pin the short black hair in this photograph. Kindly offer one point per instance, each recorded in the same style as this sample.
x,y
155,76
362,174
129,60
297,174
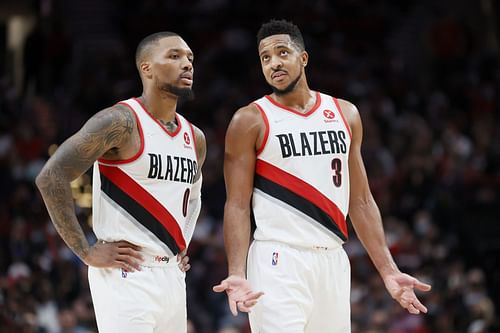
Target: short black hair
x,y
145,45
279,27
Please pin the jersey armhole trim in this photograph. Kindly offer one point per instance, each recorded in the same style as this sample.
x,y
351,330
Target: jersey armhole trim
x,y
266,134
141,136
343,117
194,140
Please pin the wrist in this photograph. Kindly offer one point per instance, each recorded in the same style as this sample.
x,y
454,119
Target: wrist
x,y
388,271
84,255
237,272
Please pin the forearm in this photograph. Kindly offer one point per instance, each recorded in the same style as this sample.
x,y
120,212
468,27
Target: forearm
x,y
56,193
236,238
194,209
367,222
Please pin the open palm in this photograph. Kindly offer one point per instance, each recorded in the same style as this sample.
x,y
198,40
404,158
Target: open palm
x,y
402,287
239,293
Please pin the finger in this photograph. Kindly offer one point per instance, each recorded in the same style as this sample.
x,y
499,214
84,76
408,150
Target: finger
x,y
233,307
125,244
185,260
253,296
126,267
419,306
129,261
242,307
220,287
422,286
249,304
131,252
184,268
412,309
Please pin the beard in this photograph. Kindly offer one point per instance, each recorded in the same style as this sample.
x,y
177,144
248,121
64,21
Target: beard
x,y
288,89
183,94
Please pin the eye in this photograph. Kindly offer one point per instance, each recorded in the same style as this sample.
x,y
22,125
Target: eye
x,y
264,58
283,53
174,56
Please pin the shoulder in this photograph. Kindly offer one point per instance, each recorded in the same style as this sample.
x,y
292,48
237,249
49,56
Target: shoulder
x,y
247,112
350,112
115,115
198,133
199,136
201,143
247,117
353,118
113,126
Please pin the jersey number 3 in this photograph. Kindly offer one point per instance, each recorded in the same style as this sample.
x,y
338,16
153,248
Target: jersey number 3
x,y
337,172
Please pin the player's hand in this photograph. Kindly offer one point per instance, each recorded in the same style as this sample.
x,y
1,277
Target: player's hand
x,y
239,294
402,288
120,254
183,260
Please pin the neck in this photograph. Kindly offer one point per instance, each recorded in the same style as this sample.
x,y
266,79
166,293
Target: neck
x,y
161,105
301,98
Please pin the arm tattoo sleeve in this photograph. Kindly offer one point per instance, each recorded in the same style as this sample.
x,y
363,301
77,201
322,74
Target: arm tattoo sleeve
x,y
105,130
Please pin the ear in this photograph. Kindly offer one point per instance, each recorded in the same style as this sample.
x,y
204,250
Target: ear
x,y
304,57
145,68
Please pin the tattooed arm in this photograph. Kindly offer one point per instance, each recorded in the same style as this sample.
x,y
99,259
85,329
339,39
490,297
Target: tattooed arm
x,y
106,133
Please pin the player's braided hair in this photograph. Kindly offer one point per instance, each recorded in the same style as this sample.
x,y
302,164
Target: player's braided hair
x,y
279,27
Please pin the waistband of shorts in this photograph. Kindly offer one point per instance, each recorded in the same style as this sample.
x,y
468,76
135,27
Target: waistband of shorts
x,y
314,248
159,260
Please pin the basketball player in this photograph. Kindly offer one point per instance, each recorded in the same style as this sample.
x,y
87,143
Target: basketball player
x,y
146,194
292,160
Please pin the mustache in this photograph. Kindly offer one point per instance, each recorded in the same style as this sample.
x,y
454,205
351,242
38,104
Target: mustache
x,y
278,70
186,75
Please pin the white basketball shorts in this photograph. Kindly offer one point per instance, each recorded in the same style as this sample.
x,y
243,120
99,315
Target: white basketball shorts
x,y
146,301
306,290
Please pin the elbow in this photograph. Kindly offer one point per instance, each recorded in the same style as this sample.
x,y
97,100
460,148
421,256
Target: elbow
x,y
39,178
43,177
361,203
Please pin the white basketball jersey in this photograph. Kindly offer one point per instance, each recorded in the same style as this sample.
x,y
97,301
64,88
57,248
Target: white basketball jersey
x,y
301,185
144,199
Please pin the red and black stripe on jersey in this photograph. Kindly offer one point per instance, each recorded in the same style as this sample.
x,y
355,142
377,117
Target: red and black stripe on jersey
x,y
141,205
301,196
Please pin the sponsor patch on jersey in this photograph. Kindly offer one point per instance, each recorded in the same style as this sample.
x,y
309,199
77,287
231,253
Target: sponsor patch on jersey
x,y
274,260
329,116
164,259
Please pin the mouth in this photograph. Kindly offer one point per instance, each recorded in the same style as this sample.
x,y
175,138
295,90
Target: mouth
x,y
278,75
187,78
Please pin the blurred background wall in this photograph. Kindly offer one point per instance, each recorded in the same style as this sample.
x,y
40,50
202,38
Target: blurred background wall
x,y
424,74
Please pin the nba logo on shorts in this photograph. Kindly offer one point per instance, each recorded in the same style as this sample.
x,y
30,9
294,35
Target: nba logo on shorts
x,y
274,261
124,273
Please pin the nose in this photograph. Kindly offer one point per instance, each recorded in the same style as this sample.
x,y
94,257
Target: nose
x,y
276,63
187,65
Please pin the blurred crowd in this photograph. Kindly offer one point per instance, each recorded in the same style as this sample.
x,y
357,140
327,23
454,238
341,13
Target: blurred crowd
x,y
424,75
